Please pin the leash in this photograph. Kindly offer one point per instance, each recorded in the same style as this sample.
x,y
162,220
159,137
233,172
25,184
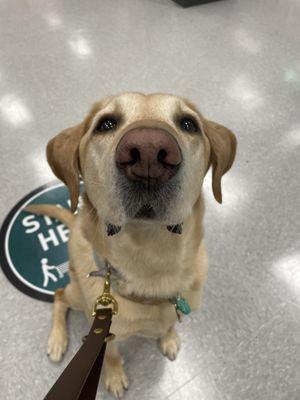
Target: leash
x,y
80,379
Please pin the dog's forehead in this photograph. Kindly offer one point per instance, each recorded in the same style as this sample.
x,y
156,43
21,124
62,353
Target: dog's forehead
x,y
146,106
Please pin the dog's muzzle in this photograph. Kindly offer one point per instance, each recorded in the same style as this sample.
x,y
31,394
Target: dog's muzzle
x,y
148,161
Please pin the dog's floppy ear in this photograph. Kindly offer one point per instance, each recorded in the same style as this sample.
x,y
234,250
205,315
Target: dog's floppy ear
x,y
222,153
63,158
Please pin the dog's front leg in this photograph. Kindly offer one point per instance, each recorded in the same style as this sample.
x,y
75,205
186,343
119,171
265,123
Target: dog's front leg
x,y
169,344
58,339
115,378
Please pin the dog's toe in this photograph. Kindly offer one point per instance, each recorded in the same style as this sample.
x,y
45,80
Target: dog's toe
x,y
170,345
57,345
116,382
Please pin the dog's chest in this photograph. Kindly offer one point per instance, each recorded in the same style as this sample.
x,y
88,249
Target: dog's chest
x,y
151,265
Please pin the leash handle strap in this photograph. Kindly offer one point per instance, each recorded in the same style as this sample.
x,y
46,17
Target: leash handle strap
x,y
79,381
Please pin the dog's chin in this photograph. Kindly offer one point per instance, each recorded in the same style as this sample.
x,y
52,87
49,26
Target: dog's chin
x,y
146,212
148,202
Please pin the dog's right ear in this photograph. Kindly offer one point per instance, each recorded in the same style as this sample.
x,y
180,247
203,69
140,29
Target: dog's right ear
x,y
63,158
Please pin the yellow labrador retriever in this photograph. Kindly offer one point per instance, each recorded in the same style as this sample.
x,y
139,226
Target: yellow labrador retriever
x,y
142,159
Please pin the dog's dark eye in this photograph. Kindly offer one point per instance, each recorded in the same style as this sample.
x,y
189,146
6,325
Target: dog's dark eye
x,y
187,124
106,124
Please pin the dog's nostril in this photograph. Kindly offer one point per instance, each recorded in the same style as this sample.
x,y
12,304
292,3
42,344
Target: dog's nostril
x,y
147,154
161,156
135,155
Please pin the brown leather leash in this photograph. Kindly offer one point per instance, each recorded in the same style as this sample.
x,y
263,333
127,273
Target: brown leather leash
x,y
80,379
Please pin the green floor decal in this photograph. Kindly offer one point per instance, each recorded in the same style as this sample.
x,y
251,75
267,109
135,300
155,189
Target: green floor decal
x,y
33,252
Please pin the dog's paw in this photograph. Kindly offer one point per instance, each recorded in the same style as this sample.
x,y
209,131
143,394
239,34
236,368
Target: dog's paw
x,y
57,344
116,381
170,344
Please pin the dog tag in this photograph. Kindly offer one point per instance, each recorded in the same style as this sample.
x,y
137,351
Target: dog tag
x,y
181,306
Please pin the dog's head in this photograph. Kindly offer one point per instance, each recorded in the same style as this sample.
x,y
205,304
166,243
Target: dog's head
x,y
142,157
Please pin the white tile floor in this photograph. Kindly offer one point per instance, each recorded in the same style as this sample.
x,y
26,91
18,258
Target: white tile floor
x,y
239,60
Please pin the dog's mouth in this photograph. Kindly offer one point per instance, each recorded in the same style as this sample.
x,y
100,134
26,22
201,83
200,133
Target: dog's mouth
x,y
148,201
145,212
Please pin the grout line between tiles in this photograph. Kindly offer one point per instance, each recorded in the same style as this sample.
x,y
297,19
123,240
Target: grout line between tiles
x,y
180,387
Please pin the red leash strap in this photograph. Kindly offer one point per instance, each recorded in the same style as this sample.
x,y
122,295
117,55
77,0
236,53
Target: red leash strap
x,y
80,379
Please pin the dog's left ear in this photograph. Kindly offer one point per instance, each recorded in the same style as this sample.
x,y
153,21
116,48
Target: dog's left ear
x,y
223,146
63,158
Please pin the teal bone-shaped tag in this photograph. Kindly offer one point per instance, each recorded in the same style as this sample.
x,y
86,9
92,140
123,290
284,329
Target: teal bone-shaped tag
x,y
181,304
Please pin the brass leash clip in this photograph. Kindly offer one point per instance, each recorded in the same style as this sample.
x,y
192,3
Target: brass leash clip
x,y
106,298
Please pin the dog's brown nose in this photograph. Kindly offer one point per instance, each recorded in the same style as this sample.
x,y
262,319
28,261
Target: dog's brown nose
x,y
148,154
